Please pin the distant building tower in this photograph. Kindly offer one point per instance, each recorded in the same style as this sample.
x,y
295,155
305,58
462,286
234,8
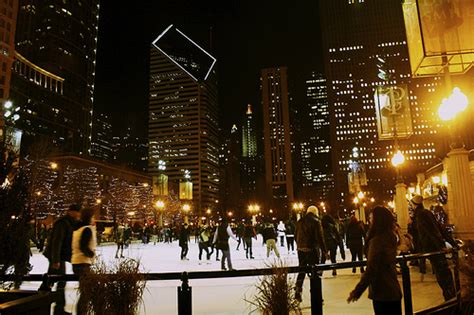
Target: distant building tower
x,y
102,146
183,111
249,156
277,142
315,145
249,135
230,190
54,70
8,16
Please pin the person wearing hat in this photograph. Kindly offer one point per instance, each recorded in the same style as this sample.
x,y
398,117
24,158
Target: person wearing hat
x,y
59,250
432,238
309,243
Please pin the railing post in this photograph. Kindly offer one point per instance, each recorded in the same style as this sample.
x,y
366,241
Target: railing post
x,y
457,281
184,296
407,298
316,290
45,284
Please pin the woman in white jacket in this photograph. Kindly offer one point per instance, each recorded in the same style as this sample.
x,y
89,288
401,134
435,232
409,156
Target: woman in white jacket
x,y
84,242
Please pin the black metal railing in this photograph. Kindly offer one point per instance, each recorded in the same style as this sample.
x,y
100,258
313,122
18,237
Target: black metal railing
x,y
314,272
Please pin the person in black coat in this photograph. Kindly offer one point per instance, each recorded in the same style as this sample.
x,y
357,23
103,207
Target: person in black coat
x,y
59,250
183,241
355,236
331,238
432,238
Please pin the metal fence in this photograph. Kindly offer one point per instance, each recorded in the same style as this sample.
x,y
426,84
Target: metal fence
x,y
184,291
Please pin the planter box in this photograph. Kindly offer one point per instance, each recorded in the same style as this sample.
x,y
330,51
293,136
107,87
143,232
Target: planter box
x,y
21,302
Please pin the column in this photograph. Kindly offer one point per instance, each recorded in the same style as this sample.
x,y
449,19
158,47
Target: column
x,y
401,205
460,193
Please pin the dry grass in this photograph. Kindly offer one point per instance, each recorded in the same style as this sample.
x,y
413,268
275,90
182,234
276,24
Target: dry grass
x,y
275,293
116,289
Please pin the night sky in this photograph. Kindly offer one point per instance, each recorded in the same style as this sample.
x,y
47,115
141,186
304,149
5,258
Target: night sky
x,y
244,36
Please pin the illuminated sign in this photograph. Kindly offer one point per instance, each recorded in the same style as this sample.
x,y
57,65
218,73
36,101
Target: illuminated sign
x,y
439,33
185,53
392,111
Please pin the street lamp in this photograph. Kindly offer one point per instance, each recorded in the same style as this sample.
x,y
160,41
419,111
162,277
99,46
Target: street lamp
x,y
254,209
160,205
450,107
298,207
398,159
360,206
186,209
53,165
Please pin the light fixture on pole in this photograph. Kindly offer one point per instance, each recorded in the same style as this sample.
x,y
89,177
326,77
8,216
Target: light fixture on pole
x,y
160,205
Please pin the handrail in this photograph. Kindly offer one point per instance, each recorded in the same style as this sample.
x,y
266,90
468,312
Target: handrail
x,y
228,274
185,290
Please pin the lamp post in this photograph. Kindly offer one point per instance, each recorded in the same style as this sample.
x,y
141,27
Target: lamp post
x,y
186,209
460,206
298,207
401,203
160,205
254,209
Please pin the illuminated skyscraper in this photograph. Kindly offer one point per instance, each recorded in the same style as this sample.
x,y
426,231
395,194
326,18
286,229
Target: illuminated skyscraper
x,y
277,142
102,146
250,159
183,126
365,32
54,71
8,16
249,135
315,145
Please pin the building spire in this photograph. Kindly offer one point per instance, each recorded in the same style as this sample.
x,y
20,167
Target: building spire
x,y
249,109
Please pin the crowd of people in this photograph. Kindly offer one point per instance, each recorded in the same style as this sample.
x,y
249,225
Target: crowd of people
x,y
318,237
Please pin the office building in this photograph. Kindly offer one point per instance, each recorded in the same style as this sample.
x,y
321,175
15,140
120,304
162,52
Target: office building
x,y
373,31
316,167
54,70
183,123
102,145
277,139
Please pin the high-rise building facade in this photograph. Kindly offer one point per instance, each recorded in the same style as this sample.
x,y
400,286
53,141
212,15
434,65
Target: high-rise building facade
x,y
183,123
277,139
315,144
250,159
230,186
365,32
102,145
54,71
8,17
129,150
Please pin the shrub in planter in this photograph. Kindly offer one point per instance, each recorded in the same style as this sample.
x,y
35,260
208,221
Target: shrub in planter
x,y
275,293
115,289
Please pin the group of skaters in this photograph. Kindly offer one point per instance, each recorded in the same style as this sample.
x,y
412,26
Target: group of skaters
x,y
380,241
72,238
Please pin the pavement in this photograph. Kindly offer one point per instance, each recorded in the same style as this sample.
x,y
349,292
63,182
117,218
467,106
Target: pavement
x,y
228,295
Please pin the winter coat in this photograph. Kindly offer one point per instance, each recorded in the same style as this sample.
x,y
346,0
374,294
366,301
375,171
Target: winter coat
x,y
183,236
269,233
249,231
381,273
331,236
355,235
59,245
84,243
222,237
431,236
309,234
290,229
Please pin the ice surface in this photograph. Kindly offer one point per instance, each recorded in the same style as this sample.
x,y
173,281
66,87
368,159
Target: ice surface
x,y
227,295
